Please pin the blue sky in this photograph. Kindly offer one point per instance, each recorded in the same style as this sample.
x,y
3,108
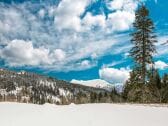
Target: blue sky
x,y
76,39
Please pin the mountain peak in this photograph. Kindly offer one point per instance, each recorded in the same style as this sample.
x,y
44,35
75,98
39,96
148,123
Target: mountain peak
x,y
97,83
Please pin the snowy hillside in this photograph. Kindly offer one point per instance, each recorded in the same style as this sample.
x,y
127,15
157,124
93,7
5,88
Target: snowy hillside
x,y
15,114
97,83
33,88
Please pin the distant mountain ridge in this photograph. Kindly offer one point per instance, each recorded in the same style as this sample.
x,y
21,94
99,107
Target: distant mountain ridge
x,y
99,83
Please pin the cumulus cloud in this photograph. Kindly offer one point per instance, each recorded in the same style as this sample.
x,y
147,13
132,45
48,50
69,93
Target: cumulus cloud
x,y
58,54
98,20
161,65
19,52
122,20
124,14
62,35
114,75
68,14
128,5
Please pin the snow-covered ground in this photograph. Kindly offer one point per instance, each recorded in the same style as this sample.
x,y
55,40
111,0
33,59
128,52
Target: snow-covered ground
x,y
18,114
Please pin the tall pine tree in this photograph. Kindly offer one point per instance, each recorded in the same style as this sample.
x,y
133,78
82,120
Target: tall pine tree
x,y
143,39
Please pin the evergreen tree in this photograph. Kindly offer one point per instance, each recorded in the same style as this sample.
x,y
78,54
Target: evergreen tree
x,y
164,89
131,84
155,79
154,87
100,97
93,97
143,39
114,95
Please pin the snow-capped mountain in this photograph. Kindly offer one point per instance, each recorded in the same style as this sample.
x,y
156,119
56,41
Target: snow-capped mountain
x,y
97,83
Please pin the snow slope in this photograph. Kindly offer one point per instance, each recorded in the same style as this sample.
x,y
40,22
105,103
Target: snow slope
x,y
15,114
97,83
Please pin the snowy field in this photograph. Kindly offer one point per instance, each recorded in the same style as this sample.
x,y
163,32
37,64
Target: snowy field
x,y
15,114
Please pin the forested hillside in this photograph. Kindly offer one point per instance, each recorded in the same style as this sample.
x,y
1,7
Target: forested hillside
x,y
32,88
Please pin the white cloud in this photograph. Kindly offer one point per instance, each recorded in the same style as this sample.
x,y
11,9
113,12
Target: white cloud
x,y
161,65
114,75
126,55
23,53
120,20
73,66
19,53
57,37
124,14
42,13
85,64
58,55
97,20
93,49
68,14
162,46
114,63
127,5
12,24
116,4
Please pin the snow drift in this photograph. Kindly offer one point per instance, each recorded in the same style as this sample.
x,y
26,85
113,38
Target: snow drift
x,y
19,114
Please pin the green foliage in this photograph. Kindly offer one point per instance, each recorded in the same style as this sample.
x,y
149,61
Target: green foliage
x,y
154,91
132,85
164,89
114,95
93,97
144,86
100,96
143,40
